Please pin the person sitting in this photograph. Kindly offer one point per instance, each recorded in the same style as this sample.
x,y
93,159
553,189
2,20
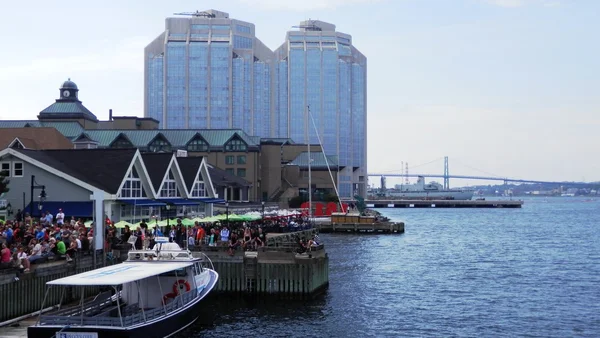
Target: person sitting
x,y
36,251
5,257
234,243
22,259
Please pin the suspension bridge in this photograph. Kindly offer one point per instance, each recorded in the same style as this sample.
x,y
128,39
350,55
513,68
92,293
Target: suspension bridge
x,y
446,176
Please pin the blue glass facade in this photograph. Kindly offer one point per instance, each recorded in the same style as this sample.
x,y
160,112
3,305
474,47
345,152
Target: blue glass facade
x,y
176,85
358,116
262,99
198,84
219,82
297,124
327,74
209,76
156,86
281,104
345,114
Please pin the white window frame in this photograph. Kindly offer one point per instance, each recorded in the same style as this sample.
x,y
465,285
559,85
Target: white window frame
x,y
199,189
128,186
9,170
169,187
14,169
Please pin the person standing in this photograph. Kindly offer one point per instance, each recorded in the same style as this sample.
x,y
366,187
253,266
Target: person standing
x,y
60,217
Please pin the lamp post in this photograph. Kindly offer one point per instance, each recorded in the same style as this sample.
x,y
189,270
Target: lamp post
x,y
168,207
227,213
8,209
263,211
34,186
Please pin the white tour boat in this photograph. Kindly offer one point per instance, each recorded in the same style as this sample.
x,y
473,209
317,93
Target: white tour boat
x,y
154,293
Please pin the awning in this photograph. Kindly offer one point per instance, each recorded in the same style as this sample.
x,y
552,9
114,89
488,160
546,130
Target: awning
x,y
75,209
120,274
180,201
210,200
143,202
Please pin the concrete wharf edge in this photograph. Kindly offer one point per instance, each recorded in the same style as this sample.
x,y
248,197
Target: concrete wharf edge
x,y
443,204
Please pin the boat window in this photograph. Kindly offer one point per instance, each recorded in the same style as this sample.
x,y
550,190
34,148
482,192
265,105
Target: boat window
x,y
180,273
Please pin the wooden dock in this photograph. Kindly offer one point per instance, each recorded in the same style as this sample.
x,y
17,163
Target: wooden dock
x,y
371,228
443,204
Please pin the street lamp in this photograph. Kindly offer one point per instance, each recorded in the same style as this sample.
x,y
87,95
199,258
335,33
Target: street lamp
x,y
34,186
227,213
8,209
168,207
263,211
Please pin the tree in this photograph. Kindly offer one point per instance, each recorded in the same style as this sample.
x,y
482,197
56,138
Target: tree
x,y
3,184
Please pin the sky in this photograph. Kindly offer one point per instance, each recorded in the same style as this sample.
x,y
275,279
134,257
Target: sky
x,y
502,87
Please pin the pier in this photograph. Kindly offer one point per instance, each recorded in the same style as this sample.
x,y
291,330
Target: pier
x,y
443,204
275,270
372,228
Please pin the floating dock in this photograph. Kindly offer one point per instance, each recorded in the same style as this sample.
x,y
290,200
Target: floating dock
x,y
373,228
443,204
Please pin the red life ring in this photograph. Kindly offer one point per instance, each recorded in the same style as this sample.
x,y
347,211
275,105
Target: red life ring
x,y
178,286
167,297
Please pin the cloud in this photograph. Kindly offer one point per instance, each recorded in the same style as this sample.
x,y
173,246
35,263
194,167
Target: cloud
x,y
304,5
520,3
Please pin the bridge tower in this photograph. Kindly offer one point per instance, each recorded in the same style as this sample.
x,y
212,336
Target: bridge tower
x,y
446,174
383,185
406,174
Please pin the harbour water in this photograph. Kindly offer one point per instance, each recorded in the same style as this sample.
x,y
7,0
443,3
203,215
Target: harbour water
x,y
531,272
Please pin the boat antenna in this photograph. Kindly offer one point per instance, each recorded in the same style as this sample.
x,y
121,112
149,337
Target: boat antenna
x,y
326,160
309,170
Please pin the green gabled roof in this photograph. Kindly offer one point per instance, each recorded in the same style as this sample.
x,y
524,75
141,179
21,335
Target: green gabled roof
x,y
68,129
178,138
69,108
318,161
19,123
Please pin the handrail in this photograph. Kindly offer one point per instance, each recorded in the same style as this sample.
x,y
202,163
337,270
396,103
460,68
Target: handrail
x,y
129,320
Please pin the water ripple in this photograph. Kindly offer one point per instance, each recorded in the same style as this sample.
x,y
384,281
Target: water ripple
x,y
533,272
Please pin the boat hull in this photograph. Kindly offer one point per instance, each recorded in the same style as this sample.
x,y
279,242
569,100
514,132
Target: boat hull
x,y
163,327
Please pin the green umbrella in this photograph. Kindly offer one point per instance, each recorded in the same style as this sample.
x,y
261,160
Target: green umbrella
x,y
122,224
187,222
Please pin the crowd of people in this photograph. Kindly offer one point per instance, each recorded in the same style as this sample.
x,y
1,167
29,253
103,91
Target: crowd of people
x,y
26,241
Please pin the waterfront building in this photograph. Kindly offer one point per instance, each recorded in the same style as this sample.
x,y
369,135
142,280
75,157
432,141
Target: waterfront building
x,y
121,184
241,168
319,70
209,71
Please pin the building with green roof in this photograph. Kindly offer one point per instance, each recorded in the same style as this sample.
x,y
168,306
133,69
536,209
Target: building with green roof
x,y
267,164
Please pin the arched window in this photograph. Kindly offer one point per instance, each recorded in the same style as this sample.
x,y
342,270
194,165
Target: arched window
x,y
236,145
121,142
159,146
197,145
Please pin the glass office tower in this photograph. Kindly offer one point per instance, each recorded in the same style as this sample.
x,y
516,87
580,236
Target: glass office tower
x,y
209,71
318,70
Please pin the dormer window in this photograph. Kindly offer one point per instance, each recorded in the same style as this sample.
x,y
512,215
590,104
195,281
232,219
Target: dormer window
x,y
197,145
236,145
159,146
121,142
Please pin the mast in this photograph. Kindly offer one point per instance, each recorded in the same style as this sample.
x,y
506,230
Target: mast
x,y
309,170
